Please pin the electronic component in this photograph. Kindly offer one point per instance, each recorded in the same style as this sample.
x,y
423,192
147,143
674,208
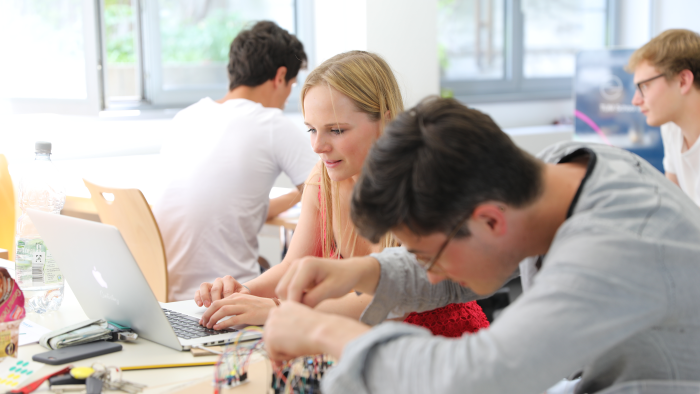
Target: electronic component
x,y
301,375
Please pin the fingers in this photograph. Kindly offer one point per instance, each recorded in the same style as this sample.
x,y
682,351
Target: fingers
x,y
216,290
307,283
288,331
202,297
198,298
230,285
320,292
283,284
237,313
219,310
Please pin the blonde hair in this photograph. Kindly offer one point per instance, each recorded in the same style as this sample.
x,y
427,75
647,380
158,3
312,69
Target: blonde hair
x,y
368,81
671,52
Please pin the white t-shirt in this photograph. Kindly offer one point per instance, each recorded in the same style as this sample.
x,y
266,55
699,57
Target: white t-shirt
x,y
680,160
219,167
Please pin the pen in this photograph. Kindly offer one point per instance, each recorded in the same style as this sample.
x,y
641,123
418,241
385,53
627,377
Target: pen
x,y
157,366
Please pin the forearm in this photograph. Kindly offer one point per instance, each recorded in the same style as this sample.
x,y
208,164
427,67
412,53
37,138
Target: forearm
x,y
404,287
264,285
351,305
369,273
282,203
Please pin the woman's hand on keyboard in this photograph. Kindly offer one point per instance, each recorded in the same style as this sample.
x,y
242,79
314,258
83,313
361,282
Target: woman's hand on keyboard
x,y
221,288
241,309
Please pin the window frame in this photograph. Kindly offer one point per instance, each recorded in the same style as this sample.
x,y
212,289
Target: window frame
x,y
514,86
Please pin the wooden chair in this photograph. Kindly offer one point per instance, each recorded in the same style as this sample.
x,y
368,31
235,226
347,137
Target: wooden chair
x,y
7,210
130,213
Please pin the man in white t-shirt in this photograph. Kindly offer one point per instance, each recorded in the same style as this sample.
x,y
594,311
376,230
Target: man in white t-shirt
x,y
667,74
223,159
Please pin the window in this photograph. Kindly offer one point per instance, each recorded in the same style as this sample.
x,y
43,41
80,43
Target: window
x,y
186,43
82,56
122,51
517,49
51,62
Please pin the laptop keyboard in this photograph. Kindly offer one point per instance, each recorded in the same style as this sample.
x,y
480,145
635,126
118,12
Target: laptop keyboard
x,y
188,328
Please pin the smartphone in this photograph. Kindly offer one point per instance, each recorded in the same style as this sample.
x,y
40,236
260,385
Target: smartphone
x,y
75,353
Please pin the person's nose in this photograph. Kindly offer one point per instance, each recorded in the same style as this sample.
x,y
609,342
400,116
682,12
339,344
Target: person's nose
x,y
319,143
637,99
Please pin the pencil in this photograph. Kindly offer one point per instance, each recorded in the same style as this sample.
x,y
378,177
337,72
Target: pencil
x,y
157,366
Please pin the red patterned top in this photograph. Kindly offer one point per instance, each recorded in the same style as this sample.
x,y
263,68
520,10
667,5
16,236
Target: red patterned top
x,y
451,320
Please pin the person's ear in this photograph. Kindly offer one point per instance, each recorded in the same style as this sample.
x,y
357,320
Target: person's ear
x,y
492,217
686,79
280,77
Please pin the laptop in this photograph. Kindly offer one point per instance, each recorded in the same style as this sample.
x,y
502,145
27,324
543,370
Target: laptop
x,y
109,284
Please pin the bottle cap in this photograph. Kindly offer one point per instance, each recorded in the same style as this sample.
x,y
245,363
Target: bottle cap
x,y
42,147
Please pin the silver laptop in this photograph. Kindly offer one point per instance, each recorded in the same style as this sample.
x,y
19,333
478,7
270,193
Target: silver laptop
x,y
108,284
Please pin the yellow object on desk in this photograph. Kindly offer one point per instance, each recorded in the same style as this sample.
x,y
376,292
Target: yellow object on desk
x,y
81,372
159,366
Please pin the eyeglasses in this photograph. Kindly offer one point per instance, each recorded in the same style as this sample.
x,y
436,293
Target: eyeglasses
x,y
641,84
428,264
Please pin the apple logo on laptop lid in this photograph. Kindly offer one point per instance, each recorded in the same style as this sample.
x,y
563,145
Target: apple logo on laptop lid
x,y
98,277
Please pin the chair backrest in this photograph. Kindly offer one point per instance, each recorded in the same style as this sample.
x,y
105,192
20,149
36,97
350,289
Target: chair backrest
x,y
129,212
7,210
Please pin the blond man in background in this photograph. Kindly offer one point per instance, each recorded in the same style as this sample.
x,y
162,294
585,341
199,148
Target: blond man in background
x,y
667,75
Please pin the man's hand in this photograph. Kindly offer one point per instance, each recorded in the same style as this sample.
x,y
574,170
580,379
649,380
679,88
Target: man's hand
x,y
221,288
243,309
295,330
311,280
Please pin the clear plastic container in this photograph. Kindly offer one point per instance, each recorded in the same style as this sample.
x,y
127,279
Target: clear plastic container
x,y
36,271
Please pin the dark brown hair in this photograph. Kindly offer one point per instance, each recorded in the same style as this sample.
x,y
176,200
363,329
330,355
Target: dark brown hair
x,y
257,53
434,164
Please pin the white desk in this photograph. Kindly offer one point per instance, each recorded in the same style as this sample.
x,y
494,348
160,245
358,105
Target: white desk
x,y
142,352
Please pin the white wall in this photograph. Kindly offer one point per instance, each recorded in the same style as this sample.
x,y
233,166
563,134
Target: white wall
x,y
635,23
407,39
402,32
340,26
675,14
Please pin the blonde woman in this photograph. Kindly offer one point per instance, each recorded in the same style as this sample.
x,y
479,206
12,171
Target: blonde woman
x,y
347,101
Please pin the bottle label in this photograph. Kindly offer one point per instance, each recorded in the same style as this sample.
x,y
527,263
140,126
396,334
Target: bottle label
x,y
52,274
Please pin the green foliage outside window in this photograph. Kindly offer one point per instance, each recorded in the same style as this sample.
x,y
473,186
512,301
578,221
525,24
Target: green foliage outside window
x,y
185,39
204,41
120,32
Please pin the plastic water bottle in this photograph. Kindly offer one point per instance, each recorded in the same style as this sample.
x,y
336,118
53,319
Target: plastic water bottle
x,y
36,271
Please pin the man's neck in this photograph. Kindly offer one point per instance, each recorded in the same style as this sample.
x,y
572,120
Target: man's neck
x,y
261,94
689,119
548,213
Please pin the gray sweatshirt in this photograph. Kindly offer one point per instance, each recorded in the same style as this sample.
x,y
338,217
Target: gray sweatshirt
x,y
617,297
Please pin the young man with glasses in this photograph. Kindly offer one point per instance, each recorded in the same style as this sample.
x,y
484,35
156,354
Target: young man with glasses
x,y
606,247
667,74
